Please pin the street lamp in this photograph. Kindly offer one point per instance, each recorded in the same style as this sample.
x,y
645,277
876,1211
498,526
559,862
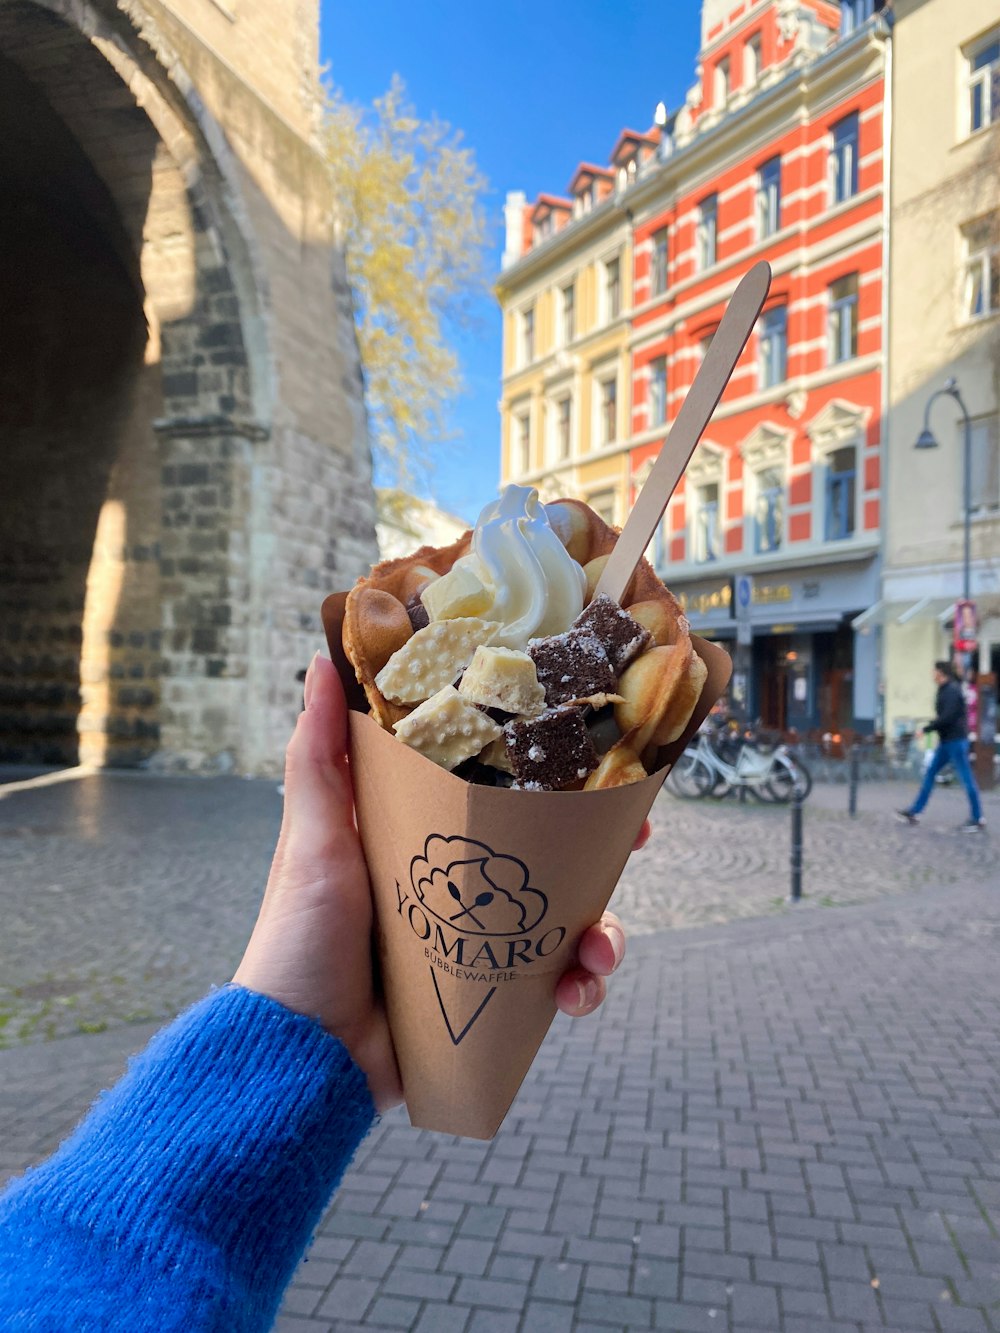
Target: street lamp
x,y
926,440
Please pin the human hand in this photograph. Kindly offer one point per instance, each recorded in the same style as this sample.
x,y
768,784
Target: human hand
x,y
311,946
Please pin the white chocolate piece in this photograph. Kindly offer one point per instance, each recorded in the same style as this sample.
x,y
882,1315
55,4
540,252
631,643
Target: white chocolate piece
x,y
457,593
446,729
432,658
503,678
495,756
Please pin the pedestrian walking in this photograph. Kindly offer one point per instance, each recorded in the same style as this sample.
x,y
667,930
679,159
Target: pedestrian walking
x,y
951,724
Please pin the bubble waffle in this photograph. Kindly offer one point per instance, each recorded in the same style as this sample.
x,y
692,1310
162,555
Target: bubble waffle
x,y
655,693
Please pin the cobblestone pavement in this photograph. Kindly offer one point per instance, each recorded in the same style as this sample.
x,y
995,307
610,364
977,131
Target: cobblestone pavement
x,y
786,1125
123,898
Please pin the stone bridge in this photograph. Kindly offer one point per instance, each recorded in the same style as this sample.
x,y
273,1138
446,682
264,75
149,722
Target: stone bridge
x,y
185,465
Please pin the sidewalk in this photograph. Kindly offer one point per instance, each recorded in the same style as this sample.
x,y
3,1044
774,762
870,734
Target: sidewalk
x,y
789,1125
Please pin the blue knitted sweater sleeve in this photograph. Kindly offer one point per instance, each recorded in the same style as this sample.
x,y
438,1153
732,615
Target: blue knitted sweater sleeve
x,y
185,1199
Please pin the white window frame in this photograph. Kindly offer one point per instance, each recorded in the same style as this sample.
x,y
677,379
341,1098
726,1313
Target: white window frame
x,y
752,56
661,420
595,495
606,265
768,200
768,448
985,80
558,401
565,287
520,419
707,468
602,378
835,336
763,342
839,425
980,263
835,161
705,232
525,345
722,82
654,290
991,423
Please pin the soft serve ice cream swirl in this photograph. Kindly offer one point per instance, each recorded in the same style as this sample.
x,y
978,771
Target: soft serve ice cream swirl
x,y
518,573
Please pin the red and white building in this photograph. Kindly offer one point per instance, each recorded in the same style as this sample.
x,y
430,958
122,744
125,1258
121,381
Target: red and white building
x,y
777,154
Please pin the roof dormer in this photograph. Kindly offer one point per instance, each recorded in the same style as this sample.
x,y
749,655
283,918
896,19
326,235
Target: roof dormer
x,y
550,213
590,186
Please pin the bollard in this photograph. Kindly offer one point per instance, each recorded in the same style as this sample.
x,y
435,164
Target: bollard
x,y
797,804
852,795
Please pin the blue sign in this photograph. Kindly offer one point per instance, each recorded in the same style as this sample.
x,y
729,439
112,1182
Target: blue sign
x,y
744,591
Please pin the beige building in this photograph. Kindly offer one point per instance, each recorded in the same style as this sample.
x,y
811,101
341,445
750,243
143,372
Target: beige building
x,y
566,347
185,458
406,522
944,322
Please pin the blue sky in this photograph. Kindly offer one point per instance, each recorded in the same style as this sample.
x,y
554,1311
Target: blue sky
x,y
535,90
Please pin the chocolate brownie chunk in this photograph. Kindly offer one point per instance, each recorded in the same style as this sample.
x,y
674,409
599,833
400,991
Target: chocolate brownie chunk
x,y
573,665
622,637
417,612
551,750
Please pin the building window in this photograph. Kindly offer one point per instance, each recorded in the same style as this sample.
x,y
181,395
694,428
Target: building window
x,y
981,296
843,319
703,345
568,302
658,391
544,228
855,12
751,62
612,288
706,533
774,346
608,390
984,491
527,336
522,428
984,83
659,273
841,489
769,198
564,426
769,510
722,82
708,231
603,505
844,159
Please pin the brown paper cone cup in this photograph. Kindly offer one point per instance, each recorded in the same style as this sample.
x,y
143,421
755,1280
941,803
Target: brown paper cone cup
x,y
481,895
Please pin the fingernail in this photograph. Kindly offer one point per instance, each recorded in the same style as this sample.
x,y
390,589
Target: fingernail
x,y
587,993
617,938
308,683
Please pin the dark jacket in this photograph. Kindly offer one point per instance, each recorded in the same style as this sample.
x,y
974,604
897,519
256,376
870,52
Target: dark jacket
x,y
950,722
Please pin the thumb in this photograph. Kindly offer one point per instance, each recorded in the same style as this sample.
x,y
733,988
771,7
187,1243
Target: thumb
x,y
318,796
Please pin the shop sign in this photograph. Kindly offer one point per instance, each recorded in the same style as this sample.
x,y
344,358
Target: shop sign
x,y
717,598
767,594
966,627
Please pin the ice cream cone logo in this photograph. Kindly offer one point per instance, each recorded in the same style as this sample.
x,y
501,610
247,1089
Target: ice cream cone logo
x,y
479,921
466,885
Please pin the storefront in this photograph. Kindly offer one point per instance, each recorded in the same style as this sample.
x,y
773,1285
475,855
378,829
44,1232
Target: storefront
x,y
801,667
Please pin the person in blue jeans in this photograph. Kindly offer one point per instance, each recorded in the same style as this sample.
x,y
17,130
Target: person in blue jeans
x,y
950,723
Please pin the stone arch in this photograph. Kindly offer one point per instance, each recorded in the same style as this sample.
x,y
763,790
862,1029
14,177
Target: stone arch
x,y
134,380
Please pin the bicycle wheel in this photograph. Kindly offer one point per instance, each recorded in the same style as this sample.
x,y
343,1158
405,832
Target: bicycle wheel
x,y
689,777
788,777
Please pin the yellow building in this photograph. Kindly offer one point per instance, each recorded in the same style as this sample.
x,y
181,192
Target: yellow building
x,y
944,319
566,312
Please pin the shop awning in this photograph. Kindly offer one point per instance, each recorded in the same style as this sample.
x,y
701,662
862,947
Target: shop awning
x,y
902,613
928,608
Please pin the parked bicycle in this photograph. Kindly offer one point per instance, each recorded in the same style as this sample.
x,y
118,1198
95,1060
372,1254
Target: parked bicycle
x,y
718,766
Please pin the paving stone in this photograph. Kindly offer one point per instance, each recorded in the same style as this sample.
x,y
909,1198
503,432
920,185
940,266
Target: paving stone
x,y
751,1095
